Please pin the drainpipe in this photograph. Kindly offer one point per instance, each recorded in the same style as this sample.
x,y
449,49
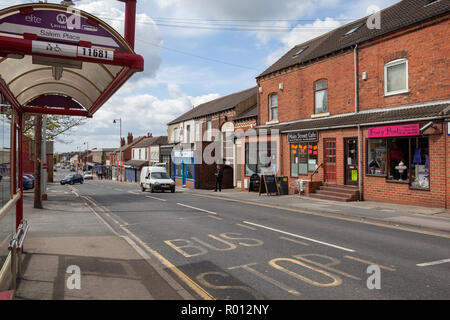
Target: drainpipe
x,y
360,176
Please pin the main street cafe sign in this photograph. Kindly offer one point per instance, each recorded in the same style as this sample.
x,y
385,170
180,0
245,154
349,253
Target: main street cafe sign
x,y
303,136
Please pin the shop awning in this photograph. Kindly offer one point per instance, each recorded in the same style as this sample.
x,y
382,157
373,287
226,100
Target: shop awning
x,y
59,60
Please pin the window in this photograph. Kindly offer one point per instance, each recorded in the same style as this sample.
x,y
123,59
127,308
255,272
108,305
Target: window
x,y
209,130
355,28
175,135
396,77
404,160
273,107
321,96
179,170
304,157
190,171
299,52
198,131
376,157
260,156
188,134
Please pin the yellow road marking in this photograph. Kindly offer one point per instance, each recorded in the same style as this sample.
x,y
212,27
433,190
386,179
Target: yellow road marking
x,y
247,227
336,280
369,263
183,277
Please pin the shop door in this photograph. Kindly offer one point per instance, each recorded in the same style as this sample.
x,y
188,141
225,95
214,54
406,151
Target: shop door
x,y
351,161
329,164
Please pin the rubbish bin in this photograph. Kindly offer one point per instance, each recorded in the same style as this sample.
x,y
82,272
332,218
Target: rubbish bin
x,y
283,185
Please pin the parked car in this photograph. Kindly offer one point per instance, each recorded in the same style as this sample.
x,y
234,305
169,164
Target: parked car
x,y
27,183
88,176
72,169
156,178
72,179
30,176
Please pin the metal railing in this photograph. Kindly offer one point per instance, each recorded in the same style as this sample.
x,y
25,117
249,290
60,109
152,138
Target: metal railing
x,y
316,171
16,246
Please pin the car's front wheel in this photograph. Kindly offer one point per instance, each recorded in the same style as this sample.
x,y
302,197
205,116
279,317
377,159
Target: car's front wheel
x,y
142,188
71,183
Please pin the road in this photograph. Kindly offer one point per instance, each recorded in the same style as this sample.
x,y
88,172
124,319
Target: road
x,y
220,249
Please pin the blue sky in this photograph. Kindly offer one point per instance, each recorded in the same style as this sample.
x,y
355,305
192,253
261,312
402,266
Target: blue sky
x,y
188,60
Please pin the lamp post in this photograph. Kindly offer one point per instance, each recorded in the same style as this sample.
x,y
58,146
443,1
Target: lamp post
x,y
120,144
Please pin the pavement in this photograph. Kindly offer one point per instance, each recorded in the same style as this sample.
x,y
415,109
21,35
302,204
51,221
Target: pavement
x,y
67,236
369,211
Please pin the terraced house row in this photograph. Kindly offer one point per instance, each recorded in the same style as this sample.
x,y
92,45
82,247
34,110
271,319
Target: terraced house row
x,y
361,113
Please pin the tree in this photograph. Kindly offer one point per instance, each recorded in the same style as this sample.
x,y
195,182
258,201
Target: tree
x,y
55,127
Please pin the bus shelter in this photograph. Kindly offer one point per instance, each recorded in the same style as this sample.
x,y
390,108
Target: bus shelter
x,y
57,60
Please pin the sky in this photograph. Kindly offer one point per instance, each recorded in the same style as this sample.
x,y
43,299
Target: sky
x,y
196,51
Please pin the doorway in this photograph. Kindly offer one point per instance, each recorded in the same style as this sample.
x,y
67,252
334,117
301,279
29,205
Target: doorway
x,y
329,161
351,161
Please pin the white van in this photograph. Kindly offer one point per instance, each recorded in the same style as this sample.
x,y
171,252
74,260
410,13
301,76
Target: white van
x,y
156,178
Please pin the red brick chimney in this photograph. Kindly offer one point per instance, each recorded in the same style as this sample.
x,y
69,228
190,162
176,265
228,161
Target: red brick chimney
x,y
149,134
129,138
122,142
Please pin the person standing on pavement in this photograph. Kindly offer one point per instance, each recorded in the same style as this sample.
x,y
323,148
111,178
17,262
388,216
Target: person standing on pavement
x,y
219,176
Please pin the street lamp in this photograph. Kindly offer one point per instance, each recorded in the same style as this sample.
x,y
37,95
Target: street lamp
x,y
120,143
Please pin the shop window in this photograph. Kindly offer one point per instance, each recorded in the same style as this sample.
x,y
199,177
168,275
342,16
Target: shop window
x,y
265,157
179,170
304,157
405,160
376,157
398,160
420,166
321,96
396,77
190,172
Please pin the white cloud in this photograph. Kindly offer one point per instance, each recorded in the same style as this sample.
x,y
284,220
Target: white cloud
x,y
140,114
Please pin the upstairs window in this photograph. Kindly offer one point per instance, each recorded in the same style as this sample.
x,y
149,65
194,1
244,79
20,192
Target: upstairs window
x,y
321,96
273,107
396,77
209,130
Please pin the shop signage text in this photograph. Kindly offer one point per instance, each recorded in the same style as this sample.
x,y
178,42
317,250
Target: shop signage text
x,y
395,131
306,136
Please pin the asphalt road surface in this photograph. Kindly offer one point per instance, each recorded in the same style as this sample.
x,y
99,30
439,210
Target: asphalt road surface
x,y
219,249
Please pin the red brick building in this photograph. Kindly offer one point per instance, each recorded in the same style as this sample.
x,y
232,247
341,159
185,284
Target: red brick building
x,y
363,112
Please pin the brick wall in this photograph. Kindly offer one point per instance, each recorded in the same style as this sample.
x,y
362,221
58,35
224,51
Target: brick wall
x,y
428,67
447,150
426,49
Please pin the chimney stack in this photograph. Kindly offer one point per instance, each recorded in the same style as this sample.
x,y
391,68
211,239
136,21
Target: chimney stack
x,y
129,138
122,142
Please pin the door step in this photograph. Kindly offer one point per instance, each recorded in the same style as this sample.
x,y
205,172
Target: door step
x,y
336,193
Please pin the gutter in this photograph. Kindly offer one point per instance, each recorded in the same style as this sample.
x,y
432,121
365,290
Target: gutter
x,y
360,176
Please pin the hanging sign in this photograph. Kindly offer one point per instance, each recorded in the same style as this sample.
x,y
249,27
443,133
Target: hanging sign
x,y
395,131
448,128
304,136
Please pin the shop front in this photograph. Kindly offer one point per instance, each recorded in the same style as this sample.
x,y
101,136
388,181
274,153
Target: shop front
x,y
184,169
406,164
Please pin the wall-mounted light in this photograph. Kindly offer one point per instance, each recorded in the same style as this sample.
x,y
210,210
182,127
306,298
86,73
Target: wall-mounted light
x,y
260,89
280,86
364,75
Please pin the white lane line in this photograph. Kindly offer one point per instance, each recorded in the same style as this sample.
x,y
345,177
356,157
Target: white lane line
x,y
432,263
185,205
156,198
301,237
